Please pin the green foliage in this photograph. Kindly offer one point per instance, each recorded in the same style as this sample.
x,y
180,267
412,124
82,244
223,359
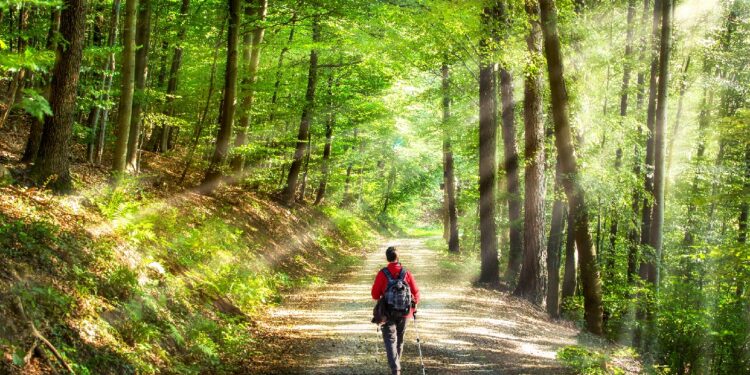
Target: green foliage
x,y
35,104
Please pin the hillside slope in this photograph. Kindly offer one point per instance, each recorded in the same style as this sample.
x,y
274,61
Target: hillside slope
x,y
144,280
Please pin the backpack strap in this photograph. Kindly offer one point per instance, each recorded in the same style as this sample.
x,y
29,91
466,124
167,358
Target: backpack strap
x,y
402,275
387,274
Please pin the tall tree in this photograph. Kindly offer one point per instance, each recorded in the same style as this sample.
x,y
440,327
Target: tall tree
x,y
591,284
330,123
52,163
449,178
554,247
531,283
287,195
37,125
214,173
512,181
624,94
160,135
127,75
251,57
657,221
487,152
142,41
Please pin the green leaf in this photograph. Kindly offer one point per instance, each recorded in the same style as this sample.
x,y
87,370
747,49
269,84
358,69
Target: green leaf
x,y
35,104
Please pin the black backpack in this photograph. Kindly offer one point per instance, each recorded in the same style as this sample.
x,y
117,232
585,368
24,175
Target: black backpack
x,y
397,296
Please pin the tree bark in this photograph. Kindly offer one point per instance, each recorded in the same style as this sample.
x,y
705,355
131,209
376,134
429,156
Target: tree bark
x,y
592,293
160,136
532,280
449,178
570,275
330,122
510,166
554,247
287,195
124,110
37,125
657,221
214,173
487,157
52,163
142,41
305,169
252,59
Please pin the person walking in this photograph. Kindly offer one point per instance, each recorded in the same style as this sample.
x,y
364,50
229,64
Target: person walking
x,y
397,294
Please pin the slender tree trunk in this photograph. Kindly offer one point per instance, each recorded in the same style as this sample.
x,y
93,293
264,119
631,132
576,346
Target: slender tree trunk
x,y
18,79
449,178
624,91
142,41
348,196
554,247
287,194
330,122
160,136
657,222
204,114
487,157
52,162
125,107
214,173
592,293
252,59
95,111
37,125
305,169
510,166
570,276
532,280
388,189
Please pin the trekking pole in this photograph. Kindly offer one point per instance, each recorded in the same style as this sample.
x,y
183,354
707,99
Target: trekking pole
x,y
419,343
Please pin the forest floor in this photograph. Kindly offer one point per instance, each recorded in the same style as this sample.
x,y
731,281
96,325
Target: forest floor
x,y
464,329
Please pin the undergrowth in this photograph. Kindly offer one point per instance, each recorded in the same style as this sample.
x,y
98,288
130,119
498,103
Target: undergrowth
x,y
161,286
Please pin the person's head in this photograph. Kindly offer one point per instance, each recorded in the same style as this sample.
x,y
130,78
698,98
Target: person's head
x,y
391,254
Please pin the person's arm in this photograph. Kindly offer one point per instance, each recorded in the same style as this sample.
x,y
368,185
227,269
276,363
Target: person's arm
x,y
413,287
378,286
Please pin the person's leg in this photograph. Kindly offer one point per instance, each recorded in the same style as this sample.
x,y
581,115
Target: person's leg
x,y
389,329
400,330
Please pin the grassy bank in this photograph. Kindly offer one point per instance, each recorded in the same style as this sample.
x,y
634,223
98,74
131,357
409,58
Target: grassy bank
x,y
126,281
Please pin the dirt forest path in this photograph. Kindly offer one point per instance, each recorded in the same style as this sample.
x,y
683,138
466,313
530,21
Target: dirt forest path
x,y
464,330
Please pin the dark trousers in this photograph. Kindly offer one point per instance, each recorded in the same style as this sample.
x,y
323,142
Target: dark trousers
x,y
393,337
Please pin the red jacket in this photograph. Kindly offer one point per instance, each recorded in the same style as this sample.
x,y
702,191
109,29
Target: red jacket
x,y
381,282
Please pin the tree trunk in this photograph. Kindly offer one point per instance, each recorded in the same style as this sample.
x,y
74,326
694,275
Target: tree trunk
x,y
252,59
37,125
449,178
554,247
487,158
124,110
214,172
160,136
570,276
510,166
388,189
204,113
531,282
52,163
142,41
287,194
590,281
626,71
657,221
305,169
330,122
18,79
